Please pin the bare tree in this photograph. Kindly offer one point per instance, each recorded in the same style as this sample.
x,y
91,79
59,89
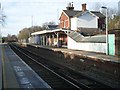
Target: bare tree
x,y
25,33
114,23
2,21
113,19
35,29
2,16
44,26
11,38
97,6
111,11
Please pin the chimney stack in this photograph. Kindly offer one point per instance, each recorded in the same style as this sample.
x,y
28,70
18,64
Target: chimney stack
x,y
70,6
84,7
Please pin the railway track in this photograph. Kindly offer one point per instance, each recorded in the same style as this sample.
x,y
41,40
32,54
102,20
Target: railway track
x,y
56,75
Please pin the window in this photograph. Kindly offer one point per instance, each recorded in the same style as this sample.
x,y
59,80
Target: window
x,y
64,24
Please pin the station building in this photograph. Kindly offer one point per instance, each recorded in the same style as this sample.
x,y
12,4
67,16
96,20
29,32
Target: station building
x,y
79,30
71,20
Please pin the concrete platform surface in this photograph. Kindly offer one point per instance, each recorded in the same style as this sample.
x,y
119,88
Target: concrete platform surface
x,y
17,74
88,54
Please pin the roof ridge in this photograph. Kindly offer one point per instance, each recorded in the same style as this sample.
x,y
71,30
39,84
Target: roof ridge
x,y
72,10
71,13
97,13
94,11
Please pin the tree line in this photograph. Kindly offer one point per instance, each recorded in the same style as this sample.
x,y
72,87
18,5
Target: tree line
x,y
114,23
25,33
113,18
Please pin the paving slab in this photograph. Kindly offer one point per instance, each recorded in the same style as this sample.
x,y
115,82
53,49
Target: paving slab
x,y
9,78
17,74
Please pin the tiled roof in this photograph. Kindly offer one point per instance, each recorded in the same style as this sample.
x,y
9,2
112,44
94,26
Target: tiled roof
x,y
75,36
71,13
88,31
97,13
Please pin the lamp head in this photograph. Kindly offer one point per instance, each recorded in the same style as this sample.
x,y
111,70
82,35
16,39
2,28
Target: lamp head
x,y
104,7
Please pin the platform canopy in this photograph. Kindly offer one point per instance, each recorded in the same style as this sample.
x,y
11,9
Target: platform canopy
x,y
48,31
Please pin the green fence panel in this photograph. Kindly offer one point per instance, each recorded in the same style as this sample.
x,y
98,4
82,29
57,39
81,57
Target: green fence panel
x,y
111,41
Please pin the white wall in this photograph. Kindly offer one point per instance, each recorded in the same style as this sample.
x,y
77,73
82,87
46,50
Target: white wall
x,y
37,39
86,21
74,23
95,47
32,39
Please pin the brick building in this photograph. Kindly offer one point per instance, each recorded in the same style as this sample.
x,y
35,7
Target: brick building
x,y
66,15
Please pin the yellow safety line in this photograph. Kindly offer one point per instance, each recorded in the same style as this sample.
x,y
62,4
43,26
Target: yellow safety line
x,y
3,68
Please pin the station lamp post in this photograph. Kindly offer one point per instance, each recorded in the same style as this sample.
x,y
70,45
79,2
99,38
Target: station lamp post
x,y
0,35
0,24
107,43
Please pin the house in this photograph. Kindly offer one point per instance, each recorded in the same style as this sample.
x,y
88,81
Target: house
x,y
66,15
88,19
74,19
84,26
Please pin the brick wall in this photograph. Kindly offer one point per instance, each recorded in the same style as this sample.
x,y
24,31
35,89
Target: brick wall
x,y
64,21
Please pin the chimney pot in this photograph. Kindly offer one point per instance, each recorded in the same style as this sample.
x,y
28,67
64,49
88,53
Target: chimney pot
x,y
70,6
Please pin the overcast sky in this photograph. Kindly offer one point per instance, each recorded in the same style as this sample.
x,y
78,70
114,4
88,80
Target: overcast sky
x,y
20,12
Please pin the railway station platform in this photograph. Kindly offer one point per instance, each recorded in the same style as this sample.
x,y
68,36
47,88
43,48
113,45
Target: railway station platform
x,y
87,54
15,73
